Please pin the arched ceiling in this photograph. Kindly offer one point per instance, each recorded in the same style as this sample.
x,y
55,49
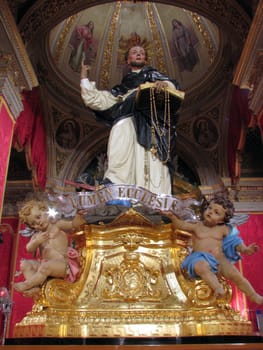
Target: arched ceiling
x,y
217,33
179,42
197,43
200,50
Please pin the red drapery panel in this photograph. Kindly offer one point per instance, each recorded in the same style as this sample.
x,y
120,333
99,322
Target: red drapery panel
x,y
38,151
260,122
6,134
24,125
252,231
8,229
29,134
251,266
21,305
238,121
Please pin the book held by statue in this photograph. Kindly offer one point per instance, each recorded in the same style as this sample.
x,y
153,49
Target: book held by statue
x,y
147,96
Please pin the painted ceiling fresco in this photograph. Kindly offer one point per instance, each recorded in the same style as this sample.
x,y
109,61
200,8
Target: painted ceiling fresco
x,y
179,42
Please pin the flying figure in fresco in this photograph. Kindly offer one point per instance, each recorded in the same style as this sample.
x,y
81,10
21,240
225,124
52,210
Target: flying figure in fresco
x,y
83,45
184,46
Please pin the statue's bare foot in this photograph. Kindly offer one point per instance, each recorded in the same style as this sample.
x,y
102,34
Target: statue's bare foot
x,y
20,286
31,292
219,292
258,299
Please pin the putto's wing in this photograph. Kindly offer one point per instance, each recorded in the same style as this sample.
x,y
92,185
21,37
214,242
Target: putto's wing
x,y
239,219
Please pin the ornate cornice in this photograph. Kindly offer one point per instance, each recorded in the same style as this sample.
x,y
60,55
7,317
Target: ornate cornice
x,y
8,88
249,72
11,43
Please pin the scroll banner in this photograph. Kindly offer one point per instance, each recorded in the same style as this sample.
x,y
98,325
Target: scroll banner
x,y
129,195
6,134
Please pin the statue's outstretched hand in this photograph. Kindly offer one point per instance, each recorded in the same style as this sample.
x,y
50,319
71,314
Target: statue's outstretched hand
x,y
251,249
78,219
85,68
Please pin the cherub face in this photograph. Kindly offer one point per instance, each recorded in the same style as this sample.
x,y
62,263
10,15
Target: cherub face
x,y
38,219
214,214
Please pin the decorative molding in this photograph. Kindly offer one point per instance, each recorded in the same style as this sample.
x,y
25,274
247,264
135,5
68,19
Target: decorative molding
x,y
256,82
107,56
206,37
13,44
61,41
15,193
8,88
250,67
156,40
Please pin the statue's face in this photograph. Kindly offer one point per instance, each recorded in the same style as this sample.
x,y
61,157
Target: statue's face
x,y
214,214
38,219
136,56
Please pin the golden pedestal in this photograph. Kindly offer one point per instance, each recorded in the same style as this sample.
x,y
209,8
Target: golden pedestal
x,y
131,285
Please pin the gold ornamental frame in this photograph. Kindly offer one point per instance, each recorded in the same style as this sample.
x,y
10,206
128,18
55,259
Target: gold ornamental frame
x,y
131,285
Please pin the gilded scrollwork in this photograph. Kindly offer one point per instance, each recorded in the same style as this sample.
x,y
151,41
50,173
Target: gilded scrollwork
x,y
108,53
160,59
130,277
132,280
206,37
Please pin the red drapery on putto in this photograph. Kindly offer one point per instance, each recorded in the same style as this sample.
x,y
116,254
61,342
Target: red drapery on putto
x,y
29,134
238,122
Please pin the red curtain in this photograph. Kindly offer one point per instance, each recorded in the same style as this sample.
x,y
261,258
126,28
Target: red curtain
x,y
8,228
29,134
6,134
238,122
21,304
260,122
251,267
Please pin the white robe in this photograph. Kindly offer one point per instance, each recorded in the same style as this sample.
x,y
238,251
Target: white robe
x,y
128,162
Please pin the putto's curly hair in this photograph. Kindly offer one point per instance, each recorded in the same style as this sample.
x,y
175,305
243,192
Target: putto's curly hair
x,y
25,211
225,203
